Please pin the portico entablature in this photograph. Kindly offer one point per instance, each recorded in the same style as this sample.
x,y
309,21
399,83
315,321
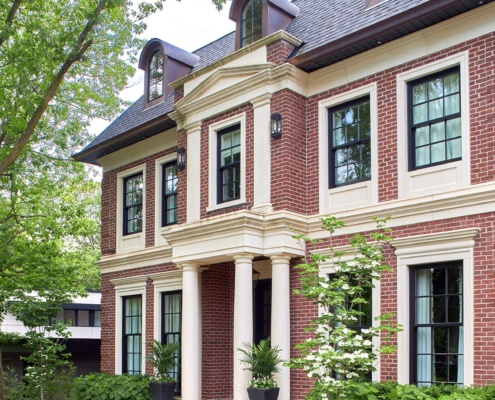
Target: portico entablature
x,y
217,239
231,87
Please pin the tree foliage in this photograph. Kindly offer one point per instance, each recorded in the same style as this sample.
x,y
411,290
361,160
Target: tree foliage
x,y
340,355
63,64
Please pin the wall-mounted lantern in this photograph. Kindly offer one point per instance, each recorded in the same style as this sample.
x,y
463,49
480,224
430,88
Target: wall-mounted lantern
x,y
276,126
181,157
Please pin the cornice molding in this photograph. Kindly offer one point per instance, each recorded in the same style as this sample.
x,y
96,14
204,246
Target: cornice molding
x,y
149,256
268,80
139,280
274,37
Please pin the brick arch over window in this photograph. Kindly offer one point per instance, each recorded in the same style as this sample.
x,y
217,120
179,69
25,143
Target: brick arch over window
x,y
275,15
175,64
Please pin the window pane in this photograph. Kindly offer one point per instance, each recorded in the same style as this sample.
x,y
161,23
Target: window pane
x,y
419,93
352,132
438,152
435,109
453,128
341,175
82,318
440,368
236,138
423,310
435,89
451,83
338,117
438,132
70,317
97,318
338,137
420,113
452,105
422,136
422,156
440,340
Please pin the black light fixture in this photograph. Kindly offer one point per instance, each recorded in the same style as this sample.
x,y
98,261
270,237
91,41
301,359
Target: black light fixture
x,y
276,123
256,278
181,157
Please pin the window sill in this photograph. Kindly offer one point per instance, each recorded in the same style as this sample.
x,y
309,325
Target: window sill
x,y
227,204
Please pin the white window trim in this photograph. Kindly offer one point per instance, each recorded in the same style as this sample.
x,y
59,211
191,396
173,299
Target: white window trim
x,y
159,240
429,249
328,268
213,164
163,282
136,241
370,186
124,287
462,168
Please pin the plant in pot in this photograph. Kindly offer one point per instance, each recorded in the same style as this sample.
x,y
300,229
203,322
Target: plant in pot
x,y
163,359
262,360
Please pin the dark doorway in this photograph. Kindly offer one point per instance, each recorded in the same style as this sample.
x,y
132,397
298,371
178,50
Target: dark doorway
x,y
262,309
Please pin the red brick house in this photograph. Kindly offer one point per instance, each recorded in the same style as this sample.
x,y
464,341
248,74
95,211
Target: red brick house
x,y
385,107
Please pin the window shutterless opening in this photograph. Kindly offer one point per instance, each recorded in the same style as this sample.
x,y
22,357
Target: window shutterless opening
x,y
229,164
132,334
133,204
169,193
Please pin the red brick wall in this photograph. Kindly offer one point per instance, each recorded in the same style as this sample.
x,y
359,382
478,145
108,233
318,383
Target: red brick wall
x,y
218,330
278,52
288,153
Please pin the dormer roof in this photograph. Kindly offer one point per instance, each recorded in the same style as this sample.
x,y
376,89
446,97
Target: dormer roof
x,y
169,50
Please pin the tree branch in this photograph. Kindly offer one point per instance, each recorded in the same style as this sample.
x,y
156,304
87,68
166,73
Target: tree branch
x,y
81,47
10,18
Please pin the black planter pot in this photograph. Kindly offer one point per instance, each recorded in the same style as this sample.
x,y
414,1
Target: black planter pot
x,y
263,394
162,390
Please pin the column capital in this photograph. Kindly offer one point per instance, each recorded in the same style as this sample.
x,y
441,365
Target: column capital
x,y
281,258
190,267
246,257
262,100
192,127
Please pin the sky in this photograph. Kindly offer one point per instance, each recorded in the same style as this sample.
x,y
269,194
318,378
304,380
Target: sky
x,y
188,24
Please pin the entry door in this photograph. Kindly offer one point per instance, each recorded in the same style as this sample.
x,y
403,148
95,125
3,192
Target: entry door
x,y
262,309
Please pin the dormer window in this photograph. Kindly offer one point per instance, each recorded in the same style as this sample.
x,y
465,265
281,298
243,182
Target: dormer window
x,y
256,19
251,22
155,76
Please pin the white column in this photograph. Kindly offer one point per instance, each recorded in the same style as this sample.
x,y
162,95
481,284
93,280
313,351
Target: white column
x,y
281,318
243,319
191,329
262,154
193,162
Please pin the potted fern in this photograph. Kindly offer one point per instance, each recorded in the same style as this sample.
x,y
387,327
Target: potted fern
x,y
262,360
163,359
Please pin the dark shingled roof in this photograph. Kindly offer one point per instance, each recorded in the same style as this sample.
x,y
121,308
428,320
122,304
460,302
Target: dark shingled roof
x,y
331,30
323,21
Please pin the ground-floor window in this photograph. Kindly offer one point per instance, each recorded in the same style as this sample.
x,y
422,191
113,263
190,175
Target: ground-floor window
x,y
132,324
171,324
437,324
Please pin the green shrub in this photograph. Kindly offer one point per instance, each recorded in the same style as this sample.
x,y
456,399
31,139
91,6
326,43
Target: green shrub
x,y
102,386
394,391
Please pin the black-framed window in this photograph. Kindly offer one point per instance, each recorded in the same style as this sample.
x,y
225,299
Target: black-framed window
x,y
169,193
155,76
435,119
437,339
132,334
79,317
251,28
229,164
133,204
350,142
172,325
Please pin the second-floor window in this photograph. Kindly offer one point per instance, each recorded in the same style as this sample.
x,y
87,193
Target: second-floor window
x,y
229,164
133,204
169,204
79,317
350,144
435,119
155,76
251,22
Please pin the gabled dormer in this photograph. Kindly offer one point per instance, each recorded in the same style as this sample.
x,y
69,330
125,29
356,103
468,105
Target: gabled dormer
x,y
256,19
163,63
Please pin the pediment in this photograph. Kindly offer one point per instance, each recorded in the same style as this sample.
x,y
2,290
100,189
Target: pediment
x,y
223,79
